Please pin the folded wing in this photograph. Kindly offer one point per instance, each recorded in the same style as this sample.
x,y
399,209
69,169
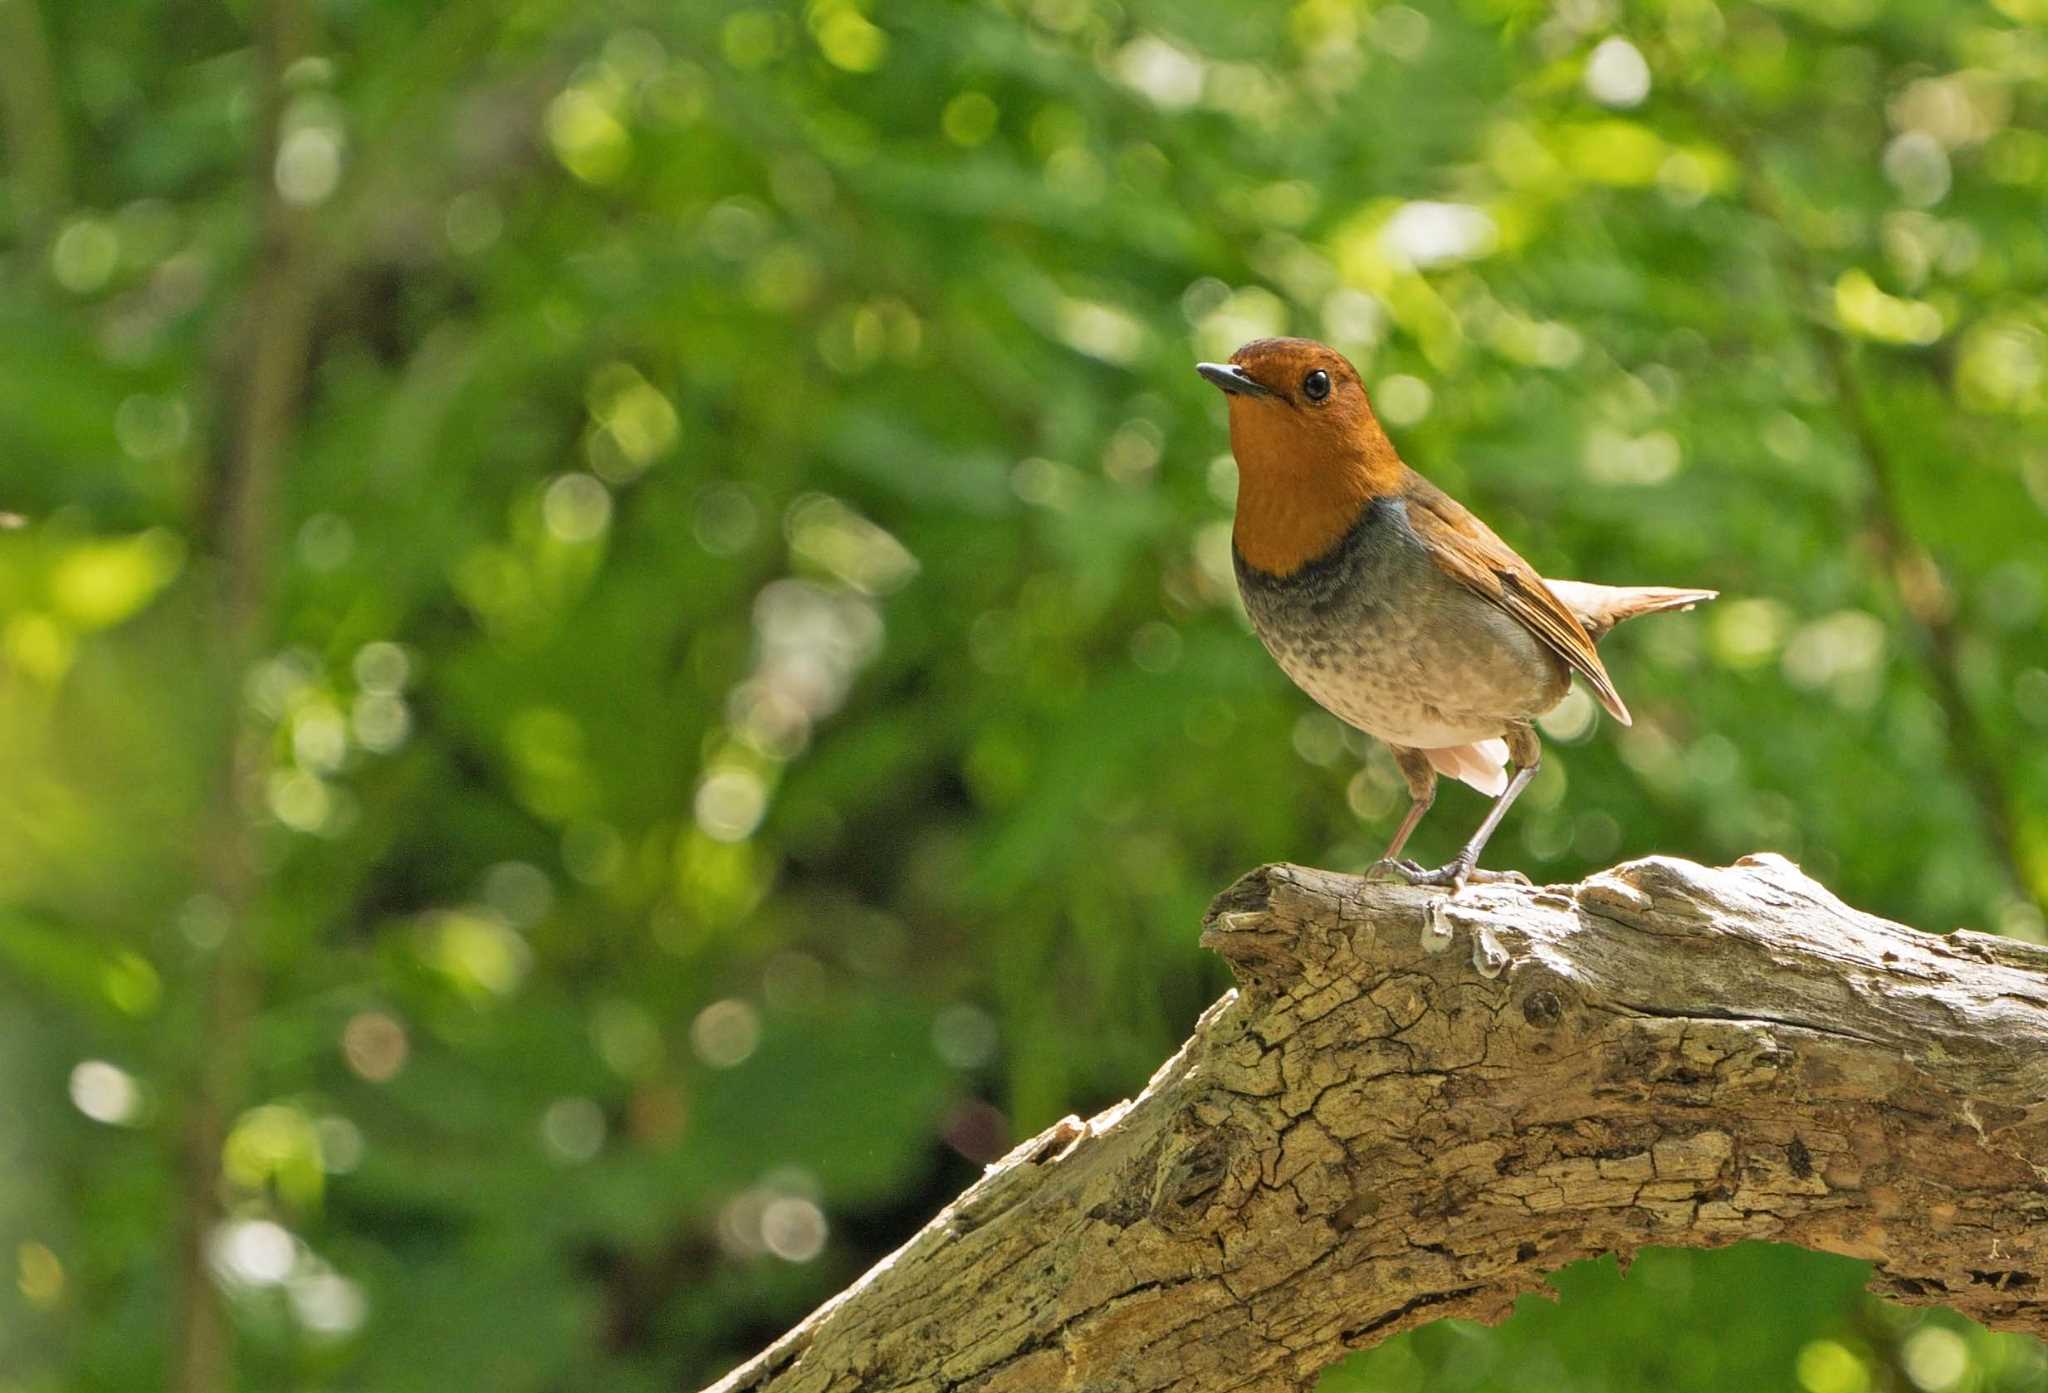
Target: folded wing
x,y
1467,550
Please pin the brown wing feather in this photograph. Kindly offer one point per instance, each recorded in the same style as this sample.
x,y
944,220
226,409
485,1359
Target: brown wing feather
x,y
1468,551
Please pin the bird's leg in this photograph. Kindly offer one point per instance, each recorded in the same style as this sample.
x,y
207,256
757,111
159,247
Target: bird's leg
x,y
1527,753
1421,776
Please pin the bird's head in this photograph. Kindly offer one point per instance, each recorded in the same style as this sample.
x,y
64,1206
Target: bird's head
x,y
1310,453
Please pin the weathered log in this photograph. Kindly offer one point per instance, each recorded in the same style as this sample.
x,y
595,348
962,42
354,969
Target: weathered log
x,y
1415,1106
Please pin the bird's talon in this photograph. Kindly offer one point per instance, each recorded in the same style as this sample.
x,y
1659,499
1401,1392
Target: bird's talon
x,y
1389,868
1453,875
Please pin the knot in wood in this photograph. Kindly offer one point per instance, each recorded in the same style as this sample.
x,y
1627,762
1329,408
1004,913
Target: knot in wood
x,y
1542,1009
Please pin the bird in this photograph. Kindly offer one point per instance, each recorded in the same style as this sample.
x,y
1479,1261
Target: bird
x,y
1389,603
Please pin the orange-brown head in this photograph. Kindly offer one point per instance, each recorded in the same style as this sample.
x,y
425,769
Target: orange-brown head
x,y
1310,453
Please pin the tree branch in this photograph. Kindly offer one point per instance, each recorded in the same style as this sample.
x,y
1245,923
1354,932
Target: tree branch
x,y
32,119
1416,1106
262,382
1911,571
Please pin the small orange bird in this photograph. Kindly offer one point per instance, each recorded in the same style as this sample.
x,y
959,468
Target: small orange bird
x,y
1390,604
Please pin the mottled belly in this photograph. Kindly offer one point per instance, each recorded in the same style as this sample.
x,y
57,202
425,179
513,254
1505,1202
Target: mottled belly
x,y
1378,634
1421,685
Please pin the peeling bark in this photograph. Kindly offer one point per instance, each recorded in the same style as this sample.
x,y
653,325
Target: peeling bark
x,y
1416,1106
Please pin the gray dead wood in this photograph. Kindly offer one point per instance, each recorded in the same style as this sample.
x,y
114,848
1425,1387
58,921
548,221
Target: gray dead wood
x,y
1415,1106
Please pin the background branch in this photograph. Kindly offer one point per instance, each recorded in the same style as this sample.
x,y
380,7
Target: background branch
x,y
1911,572
1415,1107
32,119
259,401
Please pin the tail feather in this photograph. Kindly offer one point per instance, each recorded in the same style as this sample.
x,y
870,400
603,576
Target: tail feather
x,y
1600,607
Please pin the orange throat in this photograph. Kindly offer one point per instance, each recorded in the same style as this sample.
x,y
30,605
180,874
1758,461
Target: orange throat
x,y
1294,504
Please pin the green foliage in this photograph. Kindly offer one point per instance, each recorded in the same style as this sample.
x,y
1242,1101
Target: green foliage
x,y
1750,1316
751,700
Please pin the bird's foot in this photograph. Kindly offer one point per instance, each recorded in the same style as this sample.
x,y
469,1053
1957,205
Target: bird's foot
x,y
1478,875
1455,874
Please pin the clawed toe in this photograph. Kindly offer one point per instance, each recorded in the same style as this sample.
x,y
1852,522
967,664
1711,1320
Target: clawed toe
x,y
1456,874
1413,874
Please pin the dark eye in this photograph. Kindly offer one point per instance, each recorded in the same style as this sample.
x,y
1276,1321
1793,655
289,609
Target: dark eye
x,y
1316,385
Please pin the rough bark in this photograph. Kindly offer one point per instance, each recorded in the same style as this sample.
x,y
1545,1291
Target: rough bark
x,y
1415,1106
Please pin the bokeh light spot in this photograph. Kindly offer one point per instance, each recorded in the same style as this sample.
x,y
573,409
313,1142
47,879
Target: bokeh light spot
x,y
299,800
253,1252
1318,737
319,738
1156,646
726,520
572,1130
520,891
977,1129
341,1144
587,138
36,644
382,666
969,119
151,428
1935,1359
1572,719
39,1275
1403,400
627,1037
828,534
1827,1366
84,255
730,804
105,1092
1918,168
275,1145
102,582
1162,71
964,1035
1425,234
639,424
479,953
1747,633
381,722
308,168
1612,457
793,1228
375,1045
131,984
1867,310
1400,31
1103,331
576,508
657,1115
327,1303
846,36
1616,74
726,1033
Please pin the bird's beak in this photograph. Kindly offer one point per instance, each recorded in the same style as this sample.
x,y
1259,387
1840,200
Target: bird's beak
x,y
1233,379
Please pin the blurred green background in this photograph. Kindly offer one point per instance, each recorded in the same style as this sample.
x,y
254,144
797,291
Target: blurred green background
x,y
617,652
